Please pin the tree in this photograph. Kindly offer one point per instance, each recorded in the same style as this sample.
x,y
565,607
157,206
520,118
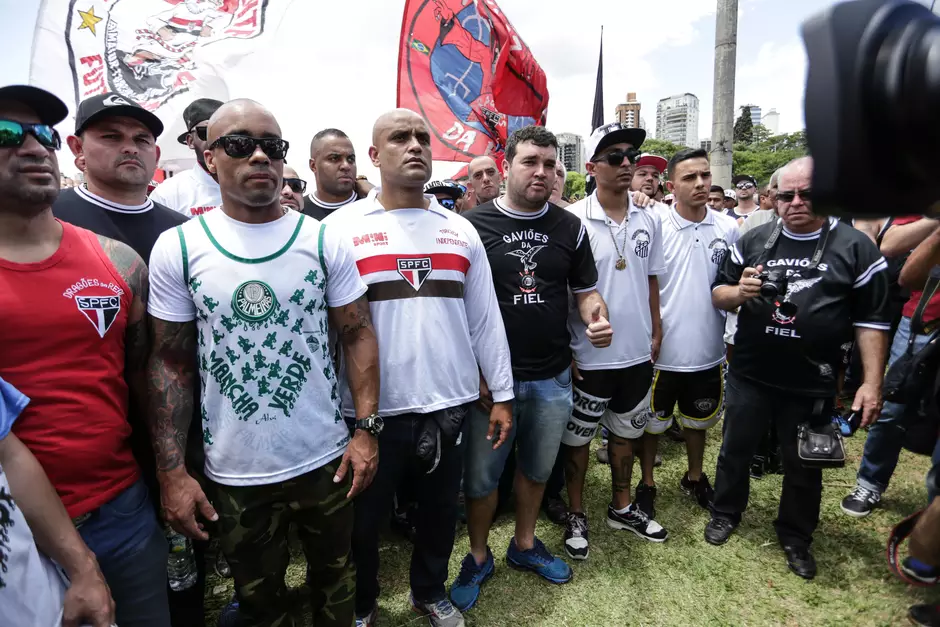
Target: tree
x,y
574,186
760,134
744,127
661,148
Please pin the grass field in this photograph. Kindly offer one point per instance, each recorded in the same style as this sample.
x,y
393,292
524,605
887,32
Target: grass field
x,y
684,581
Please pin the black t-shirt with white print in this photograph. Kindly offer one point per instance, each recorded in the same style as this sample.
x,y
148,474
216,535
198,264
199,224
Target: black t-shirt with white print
x,y
535,259
316,208
801,353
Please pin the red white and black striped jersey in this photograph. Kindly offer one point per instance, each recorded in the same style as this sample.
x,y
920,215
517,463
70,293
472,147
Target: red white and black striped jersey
x,y
433,306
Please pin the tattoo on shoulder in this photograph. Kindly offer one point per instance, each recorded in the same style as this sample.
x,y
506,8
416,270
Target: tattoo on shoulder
x,y
128,264
354,317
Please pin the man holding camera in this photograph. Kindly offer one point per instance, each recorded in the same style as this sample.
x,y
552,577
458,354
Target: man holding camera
x,y
805,285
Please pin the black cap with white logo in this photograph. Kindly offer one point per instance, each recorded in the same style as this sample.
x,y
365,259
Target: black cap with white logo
x,y
112,105
613,133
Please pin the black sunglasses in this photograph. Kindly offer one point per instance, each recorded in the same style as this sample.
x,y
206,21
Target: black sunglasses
x,y
13,134
805,194
242,146
447,203
298,186
202,132
615,158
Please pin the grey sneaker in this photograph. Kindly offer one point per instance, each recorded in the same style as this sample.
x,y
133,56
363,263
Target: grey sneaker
x,y
440,613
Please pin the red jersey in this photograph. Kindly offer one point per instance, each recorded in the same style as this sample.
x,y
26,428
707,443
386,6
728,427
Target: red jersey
x,y
63,328
932,310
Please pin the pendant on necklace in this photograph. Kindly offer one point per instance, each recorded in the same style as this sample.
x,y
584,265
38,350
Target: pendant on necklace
x,y
621,264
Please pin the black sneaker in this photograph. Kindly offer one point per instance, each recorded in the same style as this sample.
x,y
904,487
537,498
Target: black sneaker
x,y
718,530
645,499
555,509
674,432
925,615
757,467
576,536
701,489
860,502
636,521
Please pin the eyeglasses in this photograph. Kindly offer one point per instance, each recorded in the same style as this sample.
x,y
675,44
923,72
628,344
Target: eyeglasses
x,y
243,146
745,185
448,203
202,132
615,158
805,194
298,186
13,134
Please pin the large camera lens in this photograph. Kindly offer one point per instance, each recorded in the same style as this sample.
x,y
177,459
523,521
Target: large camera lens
x,y
872,96
769,290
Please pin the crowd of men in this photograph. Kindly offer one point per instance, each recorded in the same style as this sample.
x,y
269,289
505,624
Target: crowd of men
x,y
243,356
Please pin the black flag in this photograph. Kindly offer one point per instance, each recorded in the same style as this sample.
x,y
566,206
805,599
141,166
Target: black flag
x,y
597,116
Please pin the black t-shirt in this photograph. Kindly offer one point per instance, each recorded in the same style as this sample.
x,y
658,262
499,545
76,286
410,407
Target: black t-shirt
x,y
317,209
802,353
535,258
139,228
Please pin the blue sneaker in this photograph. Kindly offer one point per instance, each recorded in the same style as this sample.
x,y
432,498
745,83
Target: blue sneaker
x,y
540,561
229,615
465,590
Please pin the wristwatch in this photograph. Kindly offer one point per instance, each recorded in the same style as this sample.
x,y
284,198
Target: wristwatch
x,y
372,425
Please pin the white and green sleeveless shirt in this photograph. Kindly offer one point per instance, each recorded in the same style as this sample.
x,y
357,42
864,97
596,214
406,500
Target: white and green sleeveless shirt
x,y
259,294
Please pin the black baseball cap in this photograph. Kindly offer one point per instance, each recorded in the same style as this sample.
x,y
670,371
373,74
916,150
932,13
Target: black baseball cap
x,y
112,105
197,111
47,106
743,178
445,187
614,133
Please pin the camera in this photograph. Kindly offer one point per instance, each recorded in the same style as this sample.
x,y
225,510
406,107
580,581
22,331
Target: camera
x,y
774,283
872,93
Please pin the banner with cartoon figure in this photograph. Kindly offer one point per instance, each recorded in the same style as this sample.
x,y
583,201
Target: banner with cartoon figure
x,y
463,67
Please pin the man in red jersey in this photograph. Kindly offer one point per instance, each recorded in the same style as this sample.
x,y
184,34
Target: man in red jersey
x,y
77,346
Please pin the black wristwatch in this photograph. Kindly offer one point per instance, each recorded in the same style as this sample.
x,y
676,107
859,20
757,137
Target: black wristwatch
x,y
372,424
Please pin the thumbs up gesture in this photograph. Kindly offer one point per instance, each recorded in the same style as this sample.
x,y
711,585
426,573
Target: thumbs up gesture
x,y
599,332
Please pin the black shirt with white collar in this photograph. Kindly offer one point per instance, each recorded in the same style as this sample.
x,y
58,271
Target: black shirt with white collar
x,y
137,226
800,352
316,208
535,259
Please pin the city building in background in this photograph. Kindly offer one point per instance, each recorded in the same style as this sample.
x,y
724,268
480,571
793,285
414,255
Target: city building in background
x,y
706,145
677,120
771,120
628,113
643,124
755,113
571,151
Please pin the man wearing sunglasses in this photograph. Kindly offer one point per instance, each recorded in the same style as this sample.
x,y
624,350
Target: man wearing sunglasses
x,y
431,296
246,297
612,385
292,193
195,191
333,163
746,191
448,193
77,346
788,352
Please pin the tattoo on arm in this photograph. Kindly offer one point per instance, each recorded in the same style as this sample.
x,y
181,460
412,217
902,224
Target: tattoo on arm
x,y
351,319
171,372
353,322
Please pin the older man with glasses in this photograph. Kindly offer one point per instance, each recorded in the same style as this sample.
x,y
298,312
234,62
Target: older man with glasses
x,y
292,193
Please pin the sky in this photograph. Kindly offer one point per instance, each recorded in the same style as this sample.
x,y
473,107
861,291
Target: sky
x,y
334,64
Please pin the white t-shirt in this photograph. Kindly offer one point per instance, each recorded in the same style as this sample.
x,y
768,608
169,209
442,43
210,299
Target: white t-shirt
x,y
433,305
191,193
692,328
259,294
32,588
626,292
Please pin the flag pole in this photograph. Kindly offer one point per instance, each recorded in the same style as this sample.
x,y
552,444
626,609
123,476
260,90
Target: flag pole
x,y
597,115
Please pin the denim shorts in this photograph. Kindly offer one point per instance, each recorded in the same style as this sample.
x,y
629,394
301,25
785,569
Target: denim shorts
x,y
539,415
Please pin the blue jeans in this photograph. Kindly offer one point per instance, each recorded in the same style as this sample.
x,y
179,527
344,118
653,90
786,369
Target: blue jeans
x,y
540,412
886,436
132,552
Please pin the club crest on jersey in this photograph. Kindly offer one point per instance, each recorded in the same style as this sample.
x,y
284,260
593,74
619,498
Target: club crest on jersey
x,y
150,51
415,271
254,301
705,404
101,311
719,248
641,249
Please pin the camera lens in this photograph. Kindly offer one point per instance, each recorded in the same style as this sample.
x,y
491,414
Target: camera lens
x,y
769,290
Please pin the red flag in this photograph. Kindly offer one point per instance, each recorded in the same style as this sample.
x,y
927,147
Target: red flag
x,y
469,74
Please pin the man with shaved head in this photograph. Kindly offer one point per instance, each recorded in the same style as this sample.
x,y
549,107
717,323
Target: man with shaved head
x,y
485,179
333,163
788,350
246,297
439,328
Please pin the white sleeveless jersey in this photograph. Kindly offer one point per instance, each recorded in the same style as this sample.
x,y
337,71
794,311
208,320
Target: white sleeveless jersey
x,y
260,294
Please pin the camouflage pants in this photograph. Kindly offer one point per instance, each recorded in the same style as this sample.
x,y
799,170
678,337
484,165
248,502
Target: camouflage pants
x,y
253,526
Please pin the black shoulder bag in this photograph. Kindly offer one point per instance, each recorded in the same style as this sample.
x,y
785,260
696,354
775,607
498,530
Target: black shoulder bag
x,y
909,378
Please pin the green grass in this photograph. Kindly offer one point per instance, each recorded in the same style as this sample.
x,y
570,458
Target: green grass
x,y
684,581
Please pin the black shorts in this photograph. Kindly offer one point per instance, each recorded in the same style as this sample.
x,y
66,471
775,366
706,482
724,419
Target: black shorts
x,y
700,396
617,399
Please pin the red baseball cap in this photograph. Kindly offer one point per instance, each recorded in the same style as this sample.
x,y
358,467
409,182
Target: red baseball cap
x,y
655,161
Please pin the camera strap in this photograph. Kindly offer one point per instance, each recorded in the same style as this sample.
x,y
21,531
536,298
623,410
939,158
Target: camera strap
x,y
771,244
